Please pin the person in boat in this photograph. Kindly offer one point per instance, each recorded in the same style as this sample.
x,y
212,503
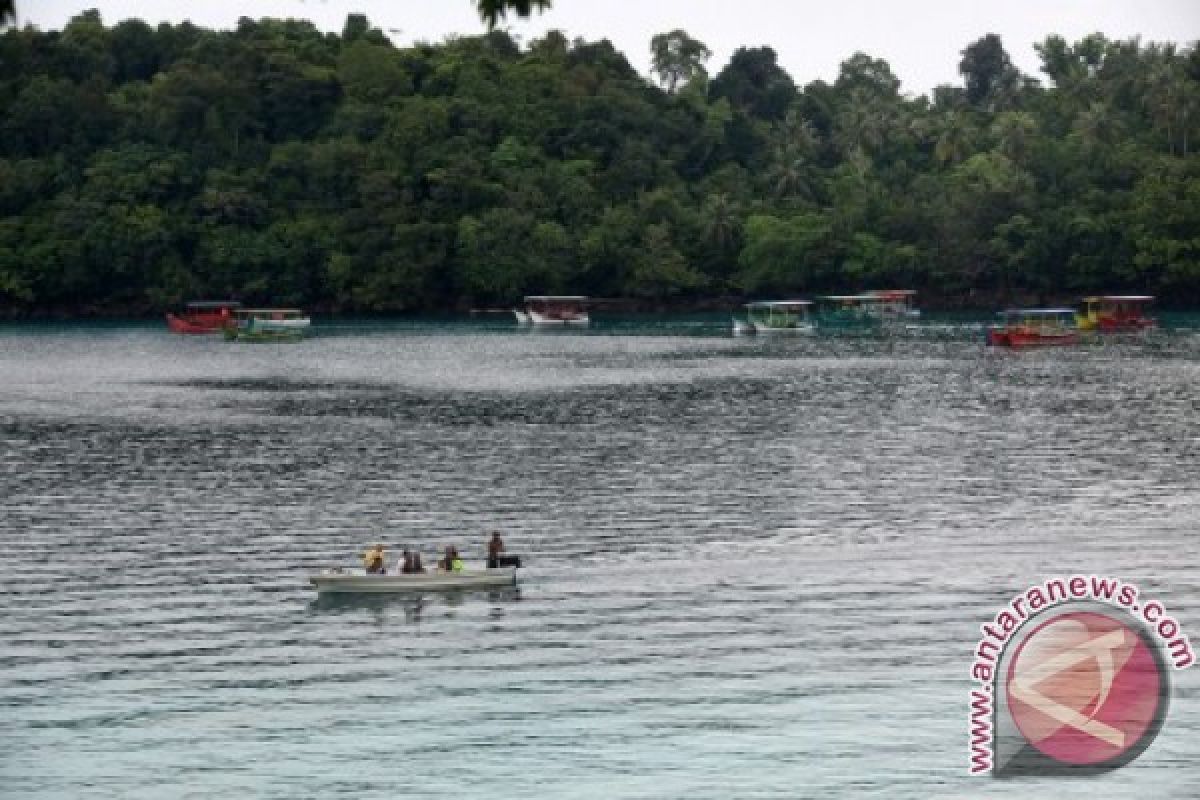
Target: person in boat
x,y
417,567
495,549
451,562
406,563
373,560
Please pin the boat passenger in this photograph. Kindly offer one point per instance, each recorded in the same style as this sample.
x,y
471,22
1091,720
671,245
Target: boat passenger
x,y
417,567
373,560
451,562
494,549
406,563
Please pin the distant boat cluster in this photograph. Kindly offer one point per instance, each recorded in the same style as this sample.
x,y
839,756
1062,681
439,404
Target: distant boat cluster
x,y
837,311
879,309
227,317
1018,327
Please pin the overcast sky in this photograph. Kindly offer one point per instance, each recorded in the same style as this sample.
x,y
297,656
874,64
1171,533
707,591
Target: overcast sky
x,y
921,39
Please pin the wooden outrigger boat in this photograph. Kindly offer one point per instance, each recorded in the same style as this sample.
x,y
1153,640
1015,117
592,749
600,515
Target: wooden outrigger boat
x,y
553,310
202,317
1034,327
358,582
267,325
1113,313
776,316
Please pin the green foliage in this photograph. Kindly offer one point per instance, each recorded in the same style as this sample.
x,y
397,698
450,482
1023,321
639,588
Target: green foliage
x,y
678,59
141,166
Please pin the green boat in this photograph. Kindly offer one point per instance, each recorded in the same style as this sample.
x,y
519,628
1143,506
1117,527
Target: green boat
x,y
267,325
868,311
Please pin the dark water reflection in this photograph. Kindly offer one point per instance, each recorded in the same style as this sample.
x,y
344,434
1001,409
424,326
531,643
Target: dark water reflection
x,y
755,569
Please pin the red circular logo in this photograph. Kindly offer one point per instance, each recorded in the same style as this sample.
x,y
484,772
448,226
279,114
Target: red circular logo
x,y
1085,688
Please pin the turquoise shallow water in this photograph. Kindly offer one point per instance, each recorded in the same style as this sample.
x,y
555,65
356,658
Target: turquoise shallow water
x,y
755,568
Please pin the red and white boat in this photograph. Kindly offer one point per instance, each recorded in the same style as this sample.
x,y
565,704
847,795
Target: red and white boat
x,y
553,310
203,317
1034,327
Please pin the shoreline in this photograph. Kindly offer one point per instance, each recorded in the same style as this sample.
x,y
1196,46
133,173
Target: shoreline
x,y
977,302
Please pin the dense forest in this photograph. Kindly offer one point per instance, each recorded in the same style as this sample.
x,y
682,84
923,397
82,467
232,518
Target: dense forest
x,y
276,163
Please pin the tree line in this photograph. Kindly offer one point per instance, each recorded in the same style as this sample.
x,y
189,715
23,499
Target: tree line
x,y
141,166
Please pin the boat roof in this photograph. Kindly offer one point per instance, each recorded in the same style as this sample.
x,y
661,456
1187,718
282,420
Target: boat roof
x,y
269,311
202,304
778,303
577,297
868,297
1122,298
894,293
1033,312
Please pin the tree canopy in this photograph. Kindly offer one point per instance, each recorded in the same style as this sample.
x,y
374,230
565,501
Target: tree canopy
x,y
144,165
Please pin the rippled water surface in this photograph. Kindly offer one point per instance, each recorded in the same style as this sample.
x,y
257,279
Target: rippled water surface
x,y
755,569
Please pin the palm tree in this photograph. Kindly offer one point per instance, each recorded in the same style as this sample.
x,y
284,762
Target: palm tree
x,y
1014,132
954,140
494,10
721,220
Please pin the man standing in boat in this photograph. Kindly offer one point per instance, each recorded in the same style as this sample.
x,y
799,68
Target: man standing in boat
x,y
494,549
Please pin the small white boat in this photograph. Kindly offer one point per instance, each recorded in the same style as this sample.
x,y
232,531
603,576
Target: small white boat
x,y
778,316
553,310
267,324
358,582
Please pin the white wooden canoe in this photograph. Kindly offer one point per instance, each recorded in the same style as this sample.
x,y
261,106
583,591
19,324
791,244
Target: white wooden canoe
x,y
361,583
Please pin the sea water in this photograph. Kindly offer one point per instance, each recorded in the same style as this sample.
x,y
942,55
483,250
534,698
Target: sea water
x,y
754,568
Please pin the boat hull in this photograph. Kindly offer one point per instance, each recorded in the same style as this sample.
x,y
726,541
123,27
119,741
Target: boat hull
x,y
803,329
260,336
1125,326
339,583
537,318
1006,338
196,325
267,325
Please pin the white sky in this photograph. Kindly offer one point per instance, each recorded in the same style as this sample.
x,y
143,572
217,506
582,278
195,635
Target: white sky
x,y
921,39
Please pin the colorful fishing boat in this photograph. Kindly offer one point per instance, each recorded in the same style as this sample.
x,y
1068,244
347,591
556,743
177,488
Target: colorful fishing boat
x,y
874,309
1034,327
202,317
553,310
267,325
776,316
1116,313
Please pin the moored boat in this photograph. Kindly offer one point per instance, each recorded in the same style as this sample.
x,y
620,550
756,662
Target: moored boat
x,y
896,304
553,310
358,582
267,325
1113,313
1034,327
869,310
776,316
202,317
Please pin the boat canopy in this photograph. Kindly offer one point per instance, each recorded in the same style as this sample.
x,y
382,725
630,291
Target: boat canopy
x,y
779,304
251,312
1036,312
556,298
895,294
212,305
